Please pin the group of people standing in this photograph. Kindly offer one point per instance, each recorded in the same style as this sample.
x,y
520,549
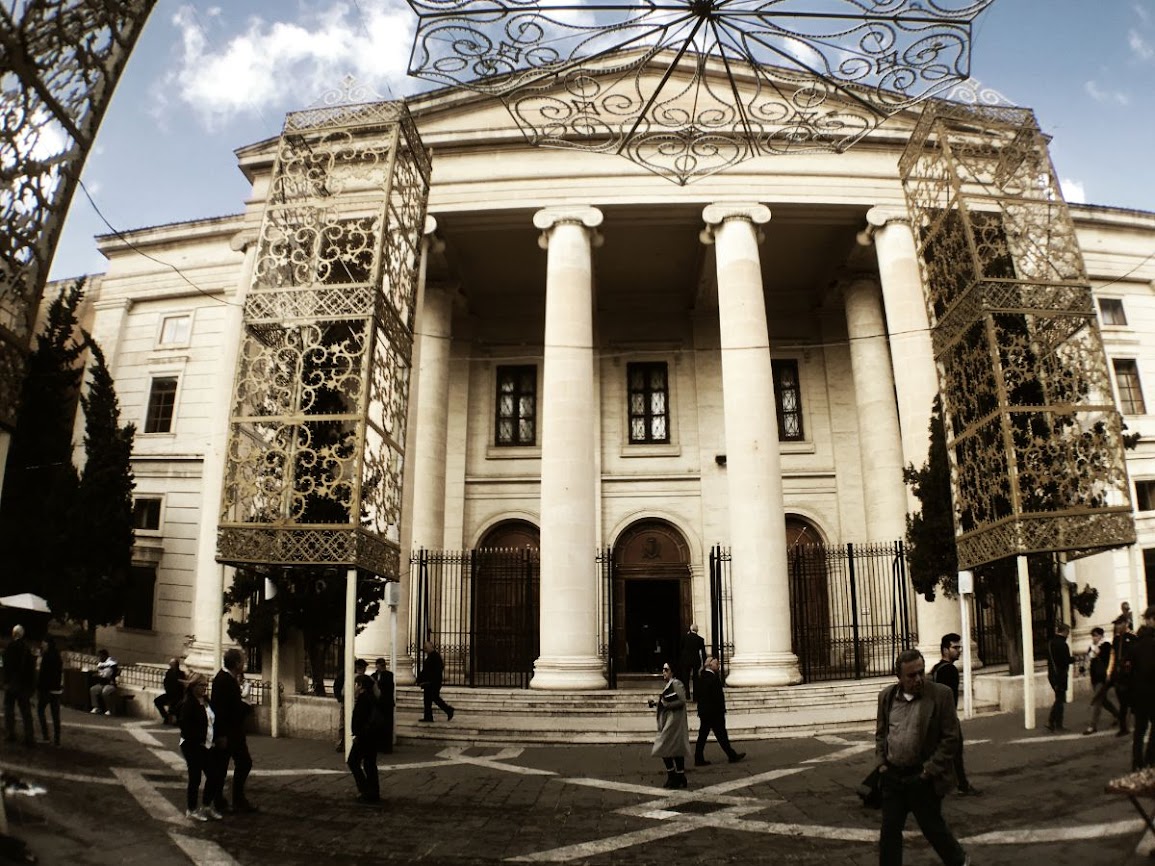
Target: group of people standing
x,y
23,678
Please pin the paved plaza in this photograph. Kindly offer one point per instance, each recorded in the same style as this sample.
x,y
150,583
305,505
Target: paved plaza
x,y
114,795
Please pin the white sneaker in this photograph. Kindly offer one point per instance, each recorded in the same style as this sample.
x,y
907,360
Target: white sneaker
x,y
93,710
108,712
210,812
195,815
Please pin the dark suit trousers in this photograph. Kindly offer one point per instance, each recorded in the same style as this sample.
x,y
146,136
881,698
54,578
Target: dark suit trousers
x,y
197,758
238,753
717,724
14,699
904,793
363,765
1056,718
432,696
1143,756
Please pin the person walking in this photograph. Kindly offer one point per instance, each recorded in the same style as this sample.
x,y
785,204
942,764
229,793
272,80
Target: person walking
x,y
712,714
167,702
915,738
945,673
229,739
19,684
672,743
367,723
1058,673
1098,664
49,687
691,658
432,672
1142,658
386,699
197,744
360,666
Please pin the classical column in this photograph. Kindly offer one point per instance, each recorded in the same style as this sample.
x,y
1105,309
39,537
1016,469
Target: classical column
x,y
423,482
915,380
762,654
878,433
569,611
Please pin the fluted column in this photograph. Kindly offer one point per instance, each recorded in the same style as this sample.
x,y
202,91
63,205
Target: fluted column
x,y
915,380
762,653
569,612
880,442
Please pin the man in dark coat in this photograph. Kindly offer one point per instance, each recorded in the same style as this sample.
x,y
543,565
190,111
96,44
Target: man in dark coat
x,y
712,715
946,674
690,658
19,684
1099,666
429,679
229,739
1142,658
1058,672
383,679
167,702
915,740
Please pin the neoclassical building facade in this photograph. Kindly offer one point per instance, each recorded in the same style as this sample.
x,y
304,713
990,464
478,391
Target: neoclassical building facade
x,y
606,360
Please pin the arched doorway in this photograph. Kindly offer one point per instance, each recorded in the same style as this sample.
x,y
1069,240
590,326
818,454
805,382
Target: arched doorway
x,y
505,610
651,596
810,633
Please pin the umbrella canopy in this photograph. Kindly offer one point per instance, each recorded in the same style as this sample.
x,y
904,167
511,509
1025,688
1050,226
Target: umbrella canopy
x,y
25,601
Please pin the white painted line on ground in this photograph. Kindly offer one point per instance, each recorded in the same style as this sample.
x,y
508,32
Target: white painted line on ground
x,y
202,852
21,770
507,768
967,741
138,733
583,850
748,781
832,739
665,797
315,771
1048,738
1049,835
812,831
145,793
169,758
842,754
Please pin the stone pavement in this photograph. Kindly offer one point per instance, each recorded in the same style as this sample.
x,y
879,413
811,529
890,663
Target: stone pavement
x,y
115,790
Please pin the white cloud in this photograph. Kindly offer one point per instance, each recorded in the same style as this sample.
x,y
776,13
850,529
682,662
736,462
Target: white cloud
x,y
1144,15
1106,96
1073,190
287,64
1139,46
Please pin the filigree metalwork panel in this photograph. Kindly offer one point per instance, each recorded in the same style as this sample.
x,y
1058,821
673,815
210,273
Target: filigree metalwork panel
x,y
687,88
1035,439
316,444
62,59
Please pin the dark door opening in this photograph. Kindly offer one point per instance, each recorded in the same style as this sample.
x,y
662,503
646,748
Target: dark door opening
x,y
653,614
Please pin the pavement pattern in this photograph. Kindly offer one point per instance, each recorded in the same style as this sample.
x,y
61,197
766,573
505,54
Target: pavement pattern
x,y
114,794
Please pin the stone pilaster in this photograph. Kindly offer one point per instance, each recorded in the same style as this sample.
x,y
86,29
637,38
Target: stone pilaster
x,y
569,613
762,652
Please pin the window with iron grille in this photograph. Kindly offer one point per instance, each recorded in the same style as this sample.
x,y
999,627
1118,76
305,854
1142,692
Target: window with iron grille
x,y
139,598
788,399
649,402
146,513
1130,391
516,415
161,404
1145,495
1111,311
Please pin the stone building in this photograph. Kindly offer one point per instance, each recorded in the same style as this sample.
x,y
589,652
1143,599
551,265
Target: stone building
x,y
697,379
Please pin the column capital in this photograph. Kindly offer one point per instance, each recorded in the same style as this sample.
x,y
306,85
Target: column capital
x,y
714,215
548,218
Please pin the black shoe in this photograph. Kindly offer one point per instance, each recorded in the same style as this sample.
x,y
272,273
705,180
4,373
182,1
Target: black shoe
x,y
1049,727
701,762
222,806
449,715
736,757
425,720
366,800
680,781
244,807
670,782
1122,732
969,791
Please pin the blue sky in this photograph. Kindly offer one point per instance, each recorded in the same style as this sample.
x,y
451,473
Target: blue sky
x,y
208,77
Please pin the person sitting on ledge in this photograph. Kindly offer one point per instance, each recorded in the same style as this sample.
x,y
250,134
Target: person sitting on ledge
x,y
104,688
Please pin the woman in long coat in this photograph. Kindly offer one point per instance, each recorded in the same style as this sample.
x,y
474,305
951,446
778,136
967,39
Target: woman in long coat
x,y
672,744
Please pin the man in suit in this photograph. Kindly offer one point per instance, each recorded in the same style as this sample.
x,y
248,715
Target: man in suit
x,y
19,684
690,659
1058,671
946,674
229,742
383,681
712,715
429,679
1142,657
915,740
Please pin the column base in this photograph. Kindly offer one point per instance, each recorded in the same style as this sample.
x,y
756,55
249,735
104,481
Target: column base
x,y
748,670
202,656
568,672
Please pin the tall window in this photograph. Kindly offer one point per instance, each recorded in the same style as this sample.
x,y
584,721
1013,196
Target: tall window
x,y
1145,495
649,402
1111,311
139,598
788,398
161,403
516,416
1130,392
175,330
146,513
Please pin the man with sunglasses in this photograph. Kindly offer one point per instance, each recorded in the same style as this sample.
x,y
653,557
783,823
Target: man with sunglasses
x,y
945,673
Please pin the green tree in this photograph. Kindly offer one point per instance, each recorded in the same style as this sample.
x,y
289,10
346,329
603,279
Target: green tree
x,y
100,523
309,600
40,480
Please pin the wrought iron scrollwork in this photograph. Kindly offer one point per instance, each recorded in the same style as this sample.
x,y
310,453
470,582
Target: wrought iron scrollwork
x,y
688,88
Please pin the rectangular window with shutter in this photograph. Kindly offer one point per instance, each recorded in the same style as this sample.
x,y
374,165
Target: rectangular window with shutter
x,y
649,402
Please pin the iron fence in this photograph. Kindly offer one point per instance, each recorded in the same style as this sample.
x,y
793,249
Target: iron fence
x,y
606,622
721,606
851,609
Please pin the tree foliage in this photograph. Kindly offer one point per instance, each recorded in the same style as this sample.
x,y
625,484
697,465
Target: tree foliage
x,y
309,600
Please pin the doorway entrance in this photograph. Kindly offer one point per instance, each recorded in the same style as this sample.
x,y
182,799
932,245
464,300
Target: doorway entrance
x,y
651,596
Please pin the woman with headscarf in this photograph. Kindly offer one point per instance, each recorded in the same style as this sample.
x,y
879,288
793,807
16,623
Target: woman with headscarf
x,y
672,744
196,742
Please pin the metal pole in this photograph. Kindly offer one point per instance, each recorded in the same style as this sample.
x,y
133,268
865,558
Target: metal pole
x,y
275,704
1028,646
966,588
350,636
1066,581
393,658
